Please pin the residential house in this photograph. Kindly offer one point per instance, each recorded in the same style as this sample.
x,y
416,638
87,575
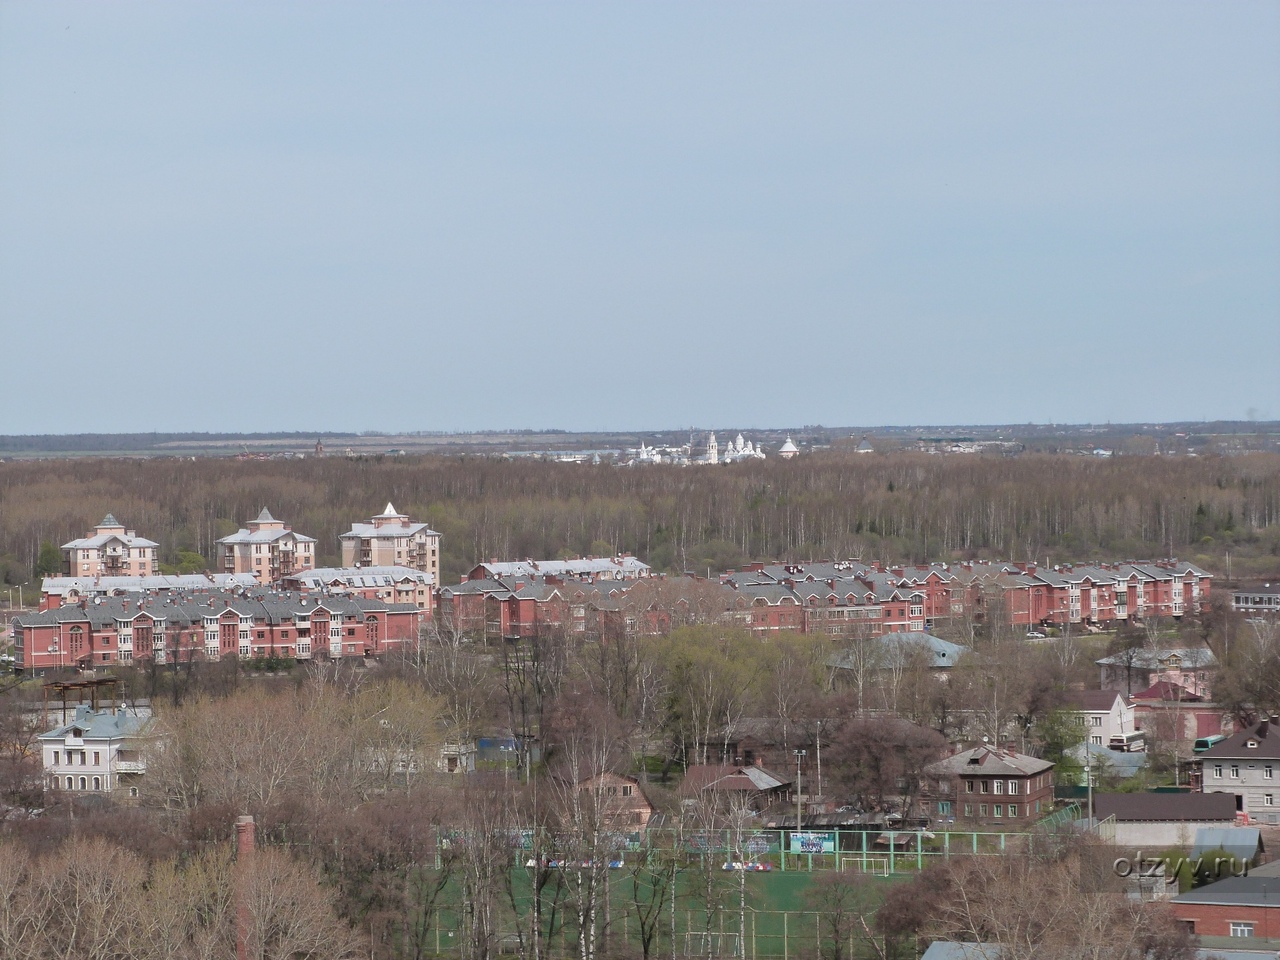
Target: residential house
x,y
1259,598
1103,713
57,591
622,800
990,787
622,567
392,584
1244,766
751,783
267,548
109,550
1167,712
209,626
1238,907
391,539
96,752
770,742
1192,668
457,756
893,651
1153,821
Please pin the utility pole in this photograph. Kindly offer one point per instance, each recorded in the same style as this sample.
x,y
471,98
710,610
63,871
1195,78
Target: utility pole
x,y
1088,777
800,755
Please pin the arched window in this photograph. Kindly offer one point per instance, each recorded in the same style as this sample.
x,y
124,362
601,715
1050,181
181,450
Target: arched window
x,y
54,783
83,784
371,632
97,783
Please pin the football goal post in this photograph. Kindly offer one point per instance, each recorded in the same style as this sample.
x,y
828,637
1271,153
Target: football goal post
x,y
879,866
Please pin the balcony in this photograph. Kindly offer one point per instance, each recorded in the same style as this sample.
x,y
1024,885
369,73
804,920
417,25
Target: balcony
x,y
131,766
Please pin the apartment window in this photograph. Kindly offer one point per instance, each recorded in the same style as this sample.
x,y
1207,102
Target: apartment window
x,y
97,783
1013,809
97,758
1097,721
944,808
982,809
968,786
55,758
54,782
83,784
1235,771
1269,800
999,810
999,786
968,809
1268,772
1217,771
1241,928
986,786
1013,786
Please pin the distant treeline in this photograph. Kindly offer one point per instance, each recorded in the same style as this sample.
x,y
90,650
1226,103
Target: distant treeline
x,y
899,507
112,442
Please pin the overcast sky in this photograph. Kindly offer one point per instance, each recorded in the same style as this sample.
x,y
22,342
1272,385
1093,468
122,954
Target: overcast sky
x,y
410,216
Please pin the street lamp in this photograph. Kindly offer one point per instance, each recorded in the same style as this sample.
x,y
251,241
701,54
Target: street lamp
x,y
800,755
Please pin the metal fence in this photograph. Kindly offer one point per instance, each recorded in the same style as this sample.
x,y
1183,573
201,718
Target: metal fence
x,y
786,934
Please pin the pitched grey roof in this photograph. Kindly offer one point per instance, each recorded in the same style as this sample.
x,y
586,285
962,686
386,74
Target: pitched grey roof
x,y
894,649
986,760
1243,843
586,566
1252,891
265,517
1192,657
359,576
1265,735
952,950
1120,762
100,539
100,725
370,531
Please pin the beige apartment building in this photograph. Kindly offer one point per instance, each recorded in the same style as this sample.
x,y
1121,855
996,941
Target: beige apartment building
x,y
267,548
109,550
391,539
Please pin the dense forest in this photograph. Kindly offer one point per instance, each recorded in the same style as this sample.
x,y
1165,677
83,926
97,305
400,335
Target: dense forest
x,y
890,507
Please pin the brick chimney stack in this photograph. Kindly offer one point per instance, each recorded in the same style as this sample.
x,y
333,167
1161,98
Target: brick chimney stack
x,y
244,859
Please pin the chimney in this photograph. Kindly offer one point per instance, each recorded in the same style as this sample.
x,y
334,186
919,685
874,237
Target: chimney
x,y
244,859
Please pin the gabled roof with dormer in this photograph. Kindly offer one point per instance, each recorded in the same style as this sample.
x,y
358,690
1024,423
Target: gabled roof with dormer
x,y
986,760
1262,740
89,724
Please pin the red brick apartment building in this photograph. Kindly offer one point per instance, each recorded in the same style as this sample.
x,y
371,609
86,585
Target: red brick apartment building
x,y
209,626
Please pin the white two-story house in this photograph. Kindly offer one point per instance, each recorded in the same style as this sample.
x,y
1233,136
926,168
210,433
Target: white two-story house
x,y
1103,713
97,752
